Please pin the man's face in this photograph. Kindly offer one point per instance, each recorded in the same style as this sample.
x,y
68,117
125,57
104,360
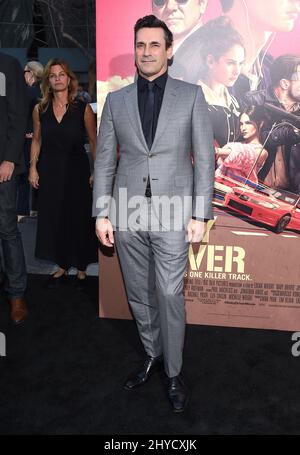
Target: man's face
x,y
280,16
151,55
228,67
294,88
180,16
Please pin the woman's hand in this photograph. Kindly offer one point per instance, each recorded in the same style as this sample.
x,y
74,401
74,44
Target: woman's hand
x,y
33,177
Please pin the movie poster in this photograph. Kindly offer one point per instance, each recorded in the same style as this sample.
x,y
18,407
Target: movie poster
x,y
246,57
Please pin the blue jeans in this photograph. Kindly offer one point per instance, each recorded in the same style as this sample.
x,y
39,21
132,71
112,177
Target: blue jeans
x,y
12,247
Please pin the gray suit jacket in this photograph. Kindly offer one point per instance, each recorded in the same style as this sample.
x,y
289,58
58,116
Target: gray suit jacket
x,y
183,131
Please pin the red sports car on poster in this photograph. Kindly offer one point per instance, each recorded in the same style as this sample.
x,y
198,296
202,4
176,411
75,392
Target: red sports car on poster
x,y
278,209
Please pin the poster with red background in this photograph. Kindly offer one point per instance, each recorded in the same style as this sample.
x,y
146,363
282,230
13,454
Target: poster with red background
x,y
245,272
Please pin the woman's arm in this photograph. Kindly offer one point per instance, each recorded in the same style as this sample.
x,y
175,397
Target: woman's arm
x,y
223,152
90,125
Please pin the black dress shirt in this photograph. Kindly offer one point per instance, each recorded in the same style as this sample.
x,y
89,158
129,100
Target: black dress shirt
x,y
159,89
159,85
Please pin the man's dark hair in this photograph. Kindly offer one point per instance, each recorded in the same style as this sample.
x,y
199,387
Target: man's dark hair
x,y
226,5
256,114
151,21
284,67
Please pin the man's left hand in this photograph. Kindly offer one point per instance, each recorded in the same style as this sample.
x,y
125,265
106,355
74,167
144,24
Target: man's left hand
x,y
6,171
196,230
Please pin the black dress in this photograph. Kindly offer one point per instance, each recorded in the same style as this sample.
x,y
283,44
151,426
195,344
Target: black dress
x,y
65,232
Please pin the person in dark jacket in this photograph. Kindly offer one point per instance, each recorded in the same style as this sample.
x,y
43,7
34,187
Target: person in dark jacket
x,y
184,18
13,113
282,106
33,72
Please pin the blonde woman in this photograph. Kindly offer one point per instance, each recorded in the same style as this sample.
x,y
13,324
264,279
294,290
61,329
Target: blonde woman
x,y
60,170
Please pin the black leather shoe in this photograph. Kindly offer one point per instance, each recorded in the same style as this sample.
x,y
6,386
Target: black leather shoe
x,y
177,393
138,378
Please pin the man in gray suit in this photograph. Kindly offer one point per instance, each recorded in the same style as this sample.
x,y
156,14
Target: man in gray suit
x,y
162,189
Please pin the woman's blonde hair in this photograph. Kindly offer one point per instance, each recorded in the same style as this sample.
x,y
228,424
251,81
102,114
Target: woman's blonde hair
x,y
47,94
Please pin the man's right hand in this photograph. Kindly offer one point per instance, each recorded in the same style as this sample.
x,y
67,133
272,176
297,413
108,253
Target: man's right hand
x,y
6,171
104,232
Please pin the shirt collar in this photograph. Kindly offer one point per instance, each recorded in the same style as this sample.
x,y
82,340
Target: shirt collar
x,y
212,99
159,81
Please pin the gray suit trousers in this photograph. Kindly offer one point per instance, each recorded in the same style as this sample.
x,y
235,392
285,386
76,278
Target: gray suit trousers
x,y
153,265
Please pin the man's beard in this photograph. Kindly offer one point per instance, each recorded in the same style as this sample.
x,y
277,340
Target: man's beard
x,y
293,97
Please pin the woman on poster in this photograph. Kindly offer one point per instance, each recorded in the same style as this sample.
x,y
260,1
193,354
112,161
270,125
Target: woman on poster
x,y
221,57
242,160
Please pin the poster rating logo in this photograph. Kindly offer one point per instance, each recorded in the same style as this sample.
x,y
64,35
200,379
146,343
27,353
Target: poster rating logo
x,y
2,345
296,346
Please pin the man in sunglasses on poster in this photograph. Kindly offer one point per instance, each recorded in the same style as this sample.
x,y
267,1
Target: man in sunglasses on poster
x,y
183,18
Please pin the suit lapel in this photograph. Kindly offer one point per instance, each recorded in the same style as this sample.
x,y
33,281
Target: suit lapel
x,y
167,108
131,102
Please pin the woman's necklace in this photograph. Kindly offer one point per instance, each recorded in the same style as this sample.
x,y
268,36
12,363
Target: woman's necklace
x,y
61,105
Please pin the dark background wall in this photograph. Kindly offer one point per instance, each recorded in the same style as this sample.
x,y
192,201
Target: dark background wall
x,y
42,29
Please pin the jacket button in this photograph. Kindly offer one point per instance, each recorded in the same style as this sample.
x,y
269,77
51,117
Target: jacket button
x,y
150,155
144,179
